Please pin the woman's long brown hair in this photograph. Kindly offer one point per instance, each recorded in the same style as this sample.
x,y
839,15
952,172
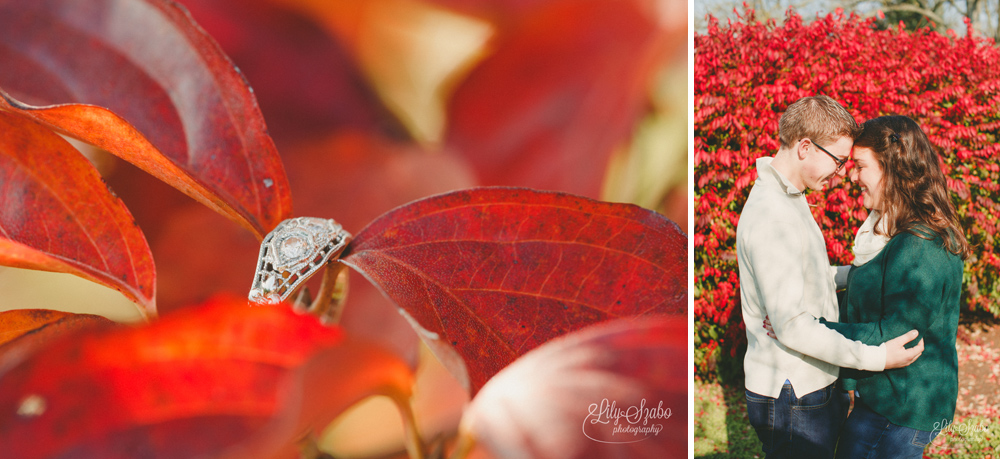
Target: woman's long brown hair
x,y
914,190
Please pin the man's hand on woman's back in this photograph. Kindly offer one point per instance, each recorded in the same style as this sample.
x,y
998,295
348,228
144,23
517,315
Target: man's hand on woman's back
x,y
897,356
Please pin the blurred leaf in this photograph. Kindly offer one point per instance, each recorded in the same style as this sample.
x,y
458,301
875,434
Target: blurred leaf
x,y
368,176
365,431
164,97
562,90
220,380
57,215
306,82
34,289
412,51
17,327
500,11
567,398
493,272
655,161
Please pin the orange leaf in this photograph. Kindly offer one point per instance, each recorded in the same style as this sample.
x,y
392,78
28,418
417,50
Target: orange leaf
x,y
20,325
141,80
220,380
57,215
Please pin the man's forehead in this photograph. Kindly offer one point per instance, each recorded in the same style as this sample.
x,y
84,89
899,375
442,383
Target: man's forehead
x,y
845,142
844,139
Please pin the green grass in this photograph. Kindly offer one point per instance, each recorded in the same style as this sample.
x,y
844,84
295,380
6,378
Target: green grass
x,y
974,437
722,430
721,427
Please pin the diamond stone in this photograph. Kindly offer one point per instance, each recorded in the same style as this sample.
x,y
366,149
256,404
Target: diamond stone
x,y
293,247
269,283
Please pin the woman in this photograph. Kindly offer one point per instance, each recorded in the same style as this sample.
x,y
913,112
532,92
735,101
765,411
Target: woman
x,y
907,275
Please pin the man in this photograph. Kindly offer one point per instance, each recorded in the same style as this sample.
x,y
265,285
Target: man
x,y
785,274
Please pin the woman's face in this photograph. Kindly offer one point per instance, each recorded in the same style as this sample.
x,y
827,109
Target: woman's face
x,y
867,173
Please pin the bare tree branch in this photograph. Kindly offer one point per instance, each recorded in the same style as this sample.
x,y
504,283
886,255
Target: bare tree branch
x,y
983,14
930,15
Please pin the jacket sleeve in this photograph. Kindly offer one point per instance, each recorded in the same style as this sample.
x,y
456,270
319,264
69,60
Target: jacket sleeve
x,y
777,256
912,292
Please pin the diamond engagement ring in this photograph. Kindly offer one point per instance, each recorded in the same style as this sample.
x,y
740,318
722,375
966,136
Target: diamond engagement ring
x,y
295,250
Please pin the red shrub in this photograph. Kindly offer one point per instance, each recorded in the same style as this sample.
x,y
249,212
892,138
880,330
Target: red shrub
x,y
748,72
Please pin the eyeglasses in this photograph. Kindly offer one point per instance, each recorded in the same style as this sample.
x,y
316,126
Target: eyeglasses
x,y
840,162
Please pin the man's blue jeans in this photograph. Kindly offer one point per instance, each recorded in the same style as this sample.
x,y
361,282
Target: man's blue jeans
x,y
869,435
798,427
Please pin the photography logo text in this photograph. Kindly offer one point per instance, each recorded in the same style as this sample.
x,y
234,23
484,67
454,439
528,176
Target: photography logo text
x,y
968,429
607,422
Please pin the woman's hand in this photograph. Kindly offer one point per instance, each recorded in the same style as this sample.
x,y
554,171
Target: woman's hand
x,y
769,328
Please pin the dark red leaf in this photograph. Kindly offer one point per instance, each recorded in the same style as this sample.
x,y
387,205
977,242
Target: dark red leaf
x,y
221,380
494,272
612,390
57,215
305,81
563,89
140,79
410,52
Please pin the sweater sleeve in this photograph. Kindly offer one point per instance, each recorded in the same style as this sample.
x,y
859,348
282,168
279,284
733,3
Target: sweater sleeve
x,y
912,292
777,256
840,275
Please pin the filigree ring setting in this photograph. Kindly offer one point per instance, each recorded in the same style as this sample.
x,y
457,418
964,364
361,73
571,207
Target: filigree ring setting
x,y
295,250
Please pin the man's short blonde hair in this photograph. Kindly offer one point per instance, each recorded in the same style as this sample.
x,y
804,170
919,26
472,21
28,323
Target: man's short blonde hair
x,y
817,118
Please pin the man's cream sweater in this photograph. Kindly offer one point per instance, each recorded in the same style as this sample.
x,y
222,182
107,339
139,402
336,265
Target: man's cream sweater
x,y
785,274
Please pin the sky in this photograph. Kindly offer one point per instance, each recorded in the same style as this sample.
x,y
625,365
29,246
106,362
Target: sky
x,y
724,8
806,8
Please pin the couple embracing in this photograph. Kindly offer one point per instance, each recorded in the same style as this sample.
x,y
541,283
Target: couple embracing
x,y
889,342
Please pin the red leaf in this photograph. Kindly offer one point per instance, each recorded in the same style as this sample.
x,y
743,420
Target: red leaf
x,y
563,89
221,380
612,390
164,97
494,272
57,215
305,81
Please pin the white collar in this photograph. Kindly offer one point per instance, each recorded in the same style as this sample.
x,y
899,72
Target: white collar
x,y
767,172
867,244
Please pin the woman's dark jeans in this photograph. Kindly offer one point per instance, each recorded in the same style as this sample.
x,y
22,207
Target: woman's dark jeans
x,y
798,427
869,435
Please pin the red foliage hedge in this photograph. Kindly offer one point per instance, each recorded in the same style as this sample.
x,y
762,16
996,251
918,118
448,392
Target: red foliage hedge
x,y
747,72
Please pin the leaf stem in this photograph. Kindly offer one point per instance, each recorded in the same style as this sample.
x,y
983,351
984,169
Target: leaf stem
x,y
414,444
466,441
329,302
